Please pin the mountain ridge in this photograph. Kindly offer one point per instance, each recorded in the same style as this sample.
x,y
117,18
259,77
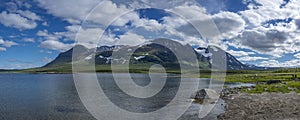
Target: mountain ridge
x,y
151,53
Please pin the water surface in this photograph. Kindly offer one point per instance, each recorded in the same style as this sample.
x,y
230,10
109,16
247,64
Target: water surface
x,y
54,97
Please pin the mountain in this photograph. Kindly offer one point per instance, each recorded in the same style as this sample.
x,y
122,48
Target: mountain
x,y
231,61
66,57
159,51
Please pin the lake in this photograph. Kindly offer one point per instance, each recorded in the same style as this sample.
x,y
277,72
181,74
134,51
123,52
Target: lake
x,y
54,97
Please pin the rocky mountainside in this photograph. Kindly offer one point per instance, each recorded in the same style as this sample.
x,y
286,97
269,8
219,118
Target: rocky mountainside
x,y
159,51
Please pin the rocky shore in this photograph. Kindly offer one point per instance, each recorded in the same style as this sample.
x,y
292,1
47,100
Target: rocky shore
x,y
245,106
266,106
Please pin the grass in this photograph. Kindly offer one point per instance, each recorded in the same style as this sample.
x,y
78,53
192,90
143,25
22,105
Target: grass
x,y
259,77
283,88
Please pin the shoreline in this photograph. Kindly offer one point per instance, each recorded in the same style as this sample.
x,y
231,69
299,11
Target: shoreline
x,y
273,106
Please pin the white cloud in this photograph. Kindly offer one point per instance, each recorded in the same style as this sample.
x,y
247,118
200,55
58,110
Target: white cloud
x,y
55,45
213,28
270,63
75,12
68,9
269,10
30,15
7,43
297,55
191,12
250,58
55,35
275,63
108,11
130,39
2,49
28,40
240,53
229,24
16,21
47,60
264,33
45,24
246,29
149,25
89,37
157,3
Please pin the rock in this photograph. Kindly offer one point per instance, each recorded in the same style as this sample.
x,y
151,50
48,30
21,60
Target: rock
x,y
229,91
291,88
205,94
273,81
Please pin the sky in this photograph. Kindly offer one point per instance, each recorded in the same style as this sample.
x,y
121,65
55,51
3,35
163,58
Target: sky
x,y
258,32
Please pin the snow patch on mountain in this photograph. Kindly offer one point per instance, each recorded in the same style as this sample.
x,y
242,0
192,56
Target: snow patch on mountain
x,y
89,57
139,57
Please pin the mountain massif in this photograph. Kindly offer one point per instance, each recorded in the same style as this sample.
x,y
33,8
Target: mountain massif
x,y
160,51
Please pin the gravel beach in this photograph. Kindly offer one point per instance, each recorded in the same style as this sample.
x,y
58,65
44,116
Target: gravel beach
x,y
266,106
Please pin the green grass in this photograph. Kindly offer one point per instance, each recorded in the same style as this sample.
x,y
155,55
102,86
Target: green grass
x,y
283,88
260,77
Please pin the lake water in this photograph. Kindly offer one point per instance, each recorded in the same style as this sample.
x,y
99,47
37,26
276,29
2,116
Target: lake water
x,y
54,97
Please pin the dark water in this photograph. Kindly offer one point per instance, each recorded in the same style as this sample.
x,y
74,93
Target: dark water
x,y
54,97
40,97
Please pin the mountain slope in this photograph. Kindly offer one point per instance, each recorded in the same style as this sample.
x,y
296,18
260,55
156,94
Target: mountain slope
x,y
66,57
159,51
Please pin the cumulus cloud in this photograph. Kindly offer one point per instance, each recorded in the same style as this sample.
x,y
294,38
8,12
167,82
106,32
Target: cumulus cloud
x,y
89,37
29,40
130,39
271,28
297,22
155,3
267,27
103,14
276,63
68,9
264,42
49,36
240,53
251,58
56,41
2,49
269,10
7,43
108,11
297,55
55,45
29,15
223,25
16,21
270,63
229,24
47,60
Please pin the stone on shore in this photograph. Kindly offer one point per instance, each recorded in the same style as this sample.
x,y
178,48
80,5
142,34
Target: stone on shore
x,y
205,94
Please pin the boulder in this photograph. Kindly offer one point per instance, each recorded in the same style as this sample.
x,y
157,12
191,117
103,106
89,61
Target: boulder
x,y
205,94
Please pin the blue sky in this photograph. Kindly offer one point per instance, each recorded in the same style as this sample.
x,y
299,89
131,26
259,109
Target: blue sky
x,y
259,32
